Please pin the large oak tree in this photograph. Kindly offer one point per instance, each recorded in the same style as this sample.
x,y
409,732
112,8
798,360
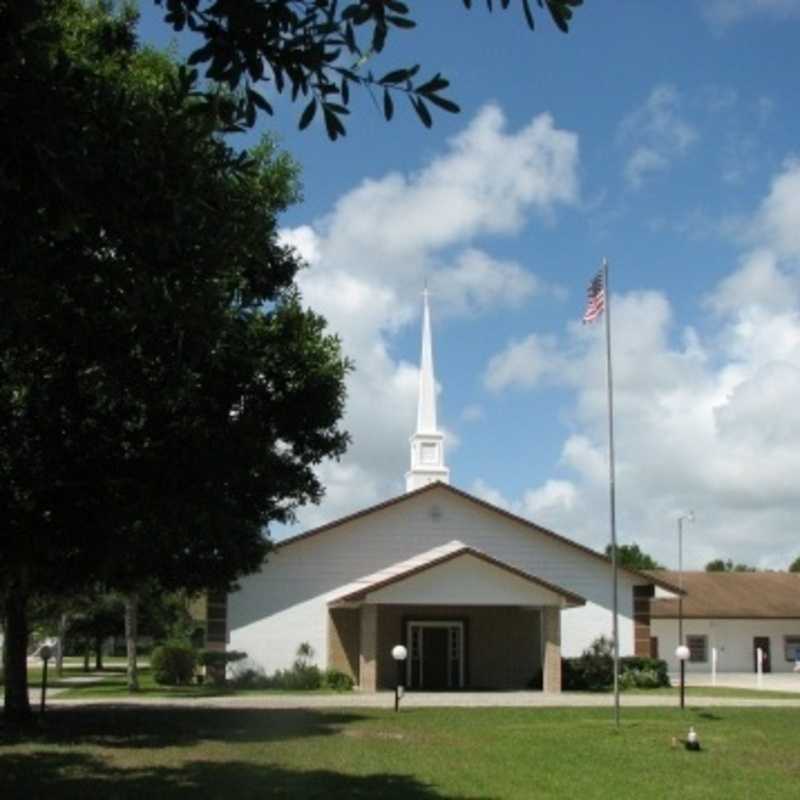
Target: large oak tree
x,y
164,395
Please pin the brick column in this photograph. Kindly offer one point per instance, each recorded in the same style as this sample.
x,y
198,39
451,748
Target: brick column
x,y
641,619
551,641
368,650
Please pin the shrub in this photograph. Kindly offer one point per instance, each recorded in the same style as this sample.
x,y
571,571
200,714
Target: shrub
x,y
643,673
592,671
249,678
172,665
336,679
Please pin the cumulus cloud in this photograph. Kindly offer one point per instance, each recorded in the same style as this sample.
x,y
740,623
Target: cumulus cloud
x,y
372,253
723,13
657,134
524,363
708,423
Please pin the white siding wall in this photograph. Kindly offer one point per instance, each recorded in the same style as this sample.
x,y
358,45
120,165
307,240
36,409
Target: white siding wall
x,y
732,638
286,603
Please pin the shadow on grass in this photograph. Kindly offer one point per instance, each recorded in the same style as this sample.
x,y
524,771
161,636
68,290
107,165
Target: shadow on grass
x,y
79,775
136,727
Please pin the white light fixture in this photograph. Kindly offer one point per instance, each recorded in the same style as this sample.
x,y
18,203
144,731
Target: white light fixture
x,y
682,652
399,653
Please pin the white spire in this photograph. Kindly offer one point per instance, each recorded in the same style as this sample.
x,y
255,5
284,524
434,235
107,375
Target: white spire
x,y
426,404
427,444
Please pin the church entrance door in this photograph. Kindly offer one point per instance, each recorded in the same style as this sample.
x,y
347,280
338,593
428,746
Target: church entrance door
x,y
436,654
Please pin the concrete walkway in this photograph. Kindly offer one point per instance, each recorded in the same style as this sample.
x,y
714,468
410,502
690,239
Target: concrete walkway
x,y
432,700
772,681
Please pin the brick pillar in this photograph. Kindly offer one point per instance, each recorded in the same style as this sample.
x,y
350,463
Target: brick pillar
x,y
641,620
368,650
551,639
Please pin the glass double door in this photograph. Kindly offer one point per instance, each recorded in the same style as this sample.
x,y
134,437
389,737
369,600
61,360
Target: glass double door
x,y
436,655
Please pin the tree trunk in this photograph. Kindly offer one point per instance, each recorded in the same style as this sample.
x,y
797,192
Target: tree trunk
x,y
17,710
98,654
131,630
62,641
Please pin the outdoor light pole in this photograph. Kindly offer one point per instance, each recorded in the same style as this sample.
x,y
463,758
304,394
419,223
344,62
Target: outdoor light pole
x,y
688,518
399,654
45,653
682,653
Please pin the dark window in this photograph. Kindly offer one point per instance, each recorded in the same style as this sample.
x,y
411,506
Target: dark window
x,y
698,649
792,647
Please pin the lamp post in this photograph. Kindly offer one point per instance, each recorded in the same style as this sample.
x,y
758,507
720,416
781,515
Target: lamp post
x,y
682,653
688,518
45,653
399,654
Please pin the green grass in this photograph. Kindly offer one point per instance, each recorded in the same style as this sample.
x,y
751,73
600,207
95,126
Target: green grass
x,y
717,691
419,754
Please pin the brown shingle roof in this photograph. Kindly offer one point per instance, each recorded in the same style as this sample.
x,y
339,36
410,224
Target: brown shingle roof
x,y
654,577
732,595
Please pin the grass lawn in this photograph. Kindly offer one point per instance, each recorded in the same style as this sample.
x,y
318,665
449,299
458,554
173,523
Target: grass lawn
x,y
419,754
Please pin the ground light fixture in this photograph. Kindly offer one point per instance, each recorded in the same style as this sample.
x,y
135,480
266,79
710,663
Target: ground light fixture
x,y
682,654
45,653
399,654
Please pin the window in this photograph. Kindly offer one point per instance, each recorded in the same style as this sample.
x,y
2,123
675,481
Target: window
x,y
698,649
791,646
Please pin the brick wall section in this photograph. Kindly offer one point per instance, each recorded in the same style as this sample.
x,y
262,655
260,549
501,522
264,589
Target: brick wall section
x,y
502,643
551,633
642,595
343,640
368,636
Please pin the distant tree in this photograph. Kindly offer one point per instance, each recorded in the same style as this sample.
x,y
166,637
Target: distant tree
x,y
720,565
795,565
632,557
316,49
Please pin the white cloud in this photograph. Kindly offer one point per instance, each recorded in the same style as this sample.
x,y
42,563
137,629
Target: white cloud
x,y
371,254
472,413
477,283
722,13
523,364
706,423
776,224
657,134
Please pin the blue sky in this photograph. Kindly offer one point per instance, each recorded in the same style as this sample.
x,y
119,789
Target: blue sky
x,y
663,136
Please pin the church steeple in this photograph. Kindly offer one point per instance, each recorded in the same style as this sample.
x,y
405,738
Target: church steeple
x,y
427,444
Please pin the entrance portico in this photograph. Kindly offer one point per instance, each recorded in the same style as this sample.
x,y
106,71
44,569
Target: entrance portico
x,y
467,620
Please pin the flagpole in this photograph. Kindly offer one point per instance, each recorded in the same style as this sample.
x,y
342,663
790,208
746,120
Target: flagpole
x,y
611,490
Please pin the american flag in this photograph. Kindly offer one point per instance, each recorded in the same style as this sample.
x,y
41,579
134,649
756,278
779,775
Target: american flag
x,y
596,302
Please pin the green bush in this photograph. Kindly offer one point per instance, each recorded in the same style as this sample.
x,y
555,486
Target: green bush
x,y
173,665
640,664
336,679
592,671
300,677
219,658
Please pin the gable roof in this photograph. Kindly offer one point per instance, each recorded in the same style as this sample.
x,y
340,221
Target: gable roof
x,y
532,526
732,595
399,572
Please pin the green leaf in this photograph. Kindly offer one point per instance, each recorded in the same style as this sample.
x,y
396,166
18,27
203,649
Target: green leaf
x,y
422,111
388,105
444,103
308,114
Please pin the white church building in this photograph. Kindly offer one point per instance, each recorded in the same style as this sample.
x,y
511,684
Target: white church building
x,y
480,597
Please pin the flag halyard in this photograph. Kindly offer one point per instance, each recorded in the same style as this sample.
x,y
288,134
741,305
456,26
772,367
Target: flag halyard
x,y
596,299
